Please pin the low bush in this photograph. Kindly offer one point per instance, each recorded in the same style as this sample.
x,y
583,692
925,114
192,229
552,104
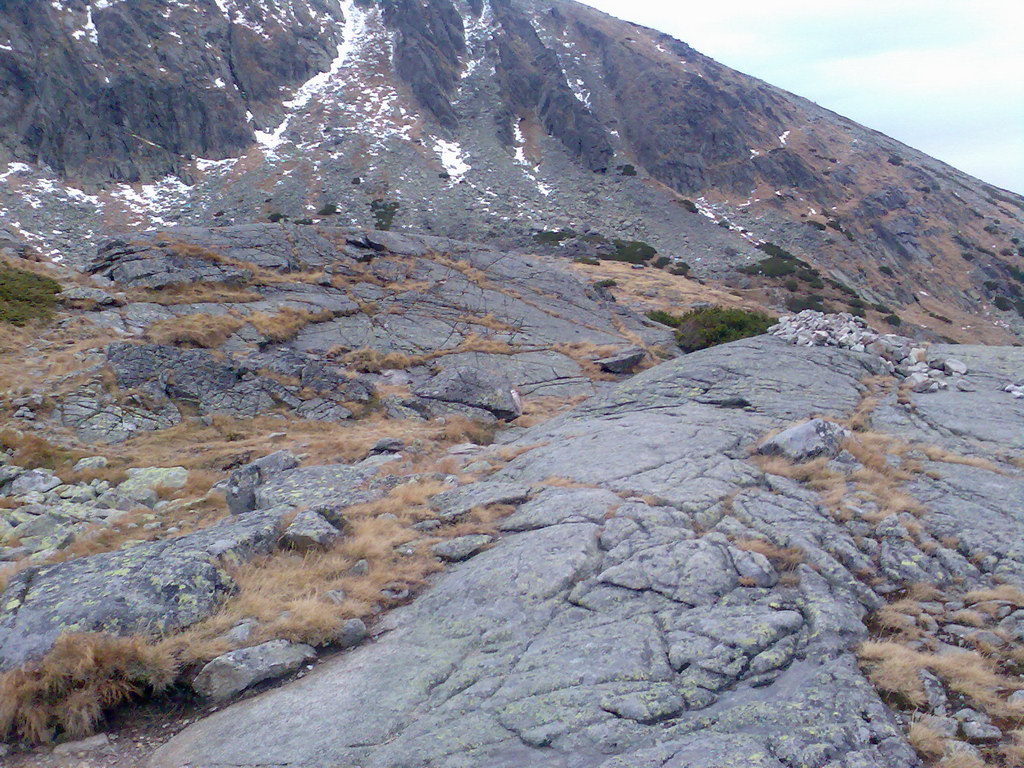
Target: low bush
x,y
384,212
689,205
627,170
800,303
553,236
631,251
893,320
26,296
887,271
679,268
710,326
330,209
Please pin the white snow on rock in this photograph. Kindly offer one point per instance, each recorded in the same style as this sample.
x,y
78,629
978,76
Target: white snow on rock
x,y
783,138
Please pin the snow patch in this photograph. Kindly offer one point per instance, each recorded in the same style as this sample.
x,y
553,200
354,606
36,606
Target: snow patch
x,y
783,138
452,159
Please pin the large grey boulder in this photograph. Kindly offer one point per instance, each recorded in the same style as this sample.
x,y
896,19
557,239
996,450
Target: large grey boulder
x,y
154,587
470,386
242,482
457,502
33,481
309,532
233,672
461,547
332,485
817,437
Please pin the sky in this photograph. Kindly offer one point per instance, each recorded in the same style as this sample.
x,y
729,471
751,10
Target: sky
x,y
944,76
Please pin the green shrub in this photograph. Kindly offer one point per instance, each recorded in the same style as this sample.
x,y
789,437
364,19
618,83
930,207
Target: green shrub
x,y
895,160
627,170
689,205
893,320
886,271
26,296
679,268
661,262
276,217
330,209
590,261
800,303
775,250
304,221
384,212
550,237
1002,303
665,318
773,266
710,326
816,224
631,251
792,285
609,283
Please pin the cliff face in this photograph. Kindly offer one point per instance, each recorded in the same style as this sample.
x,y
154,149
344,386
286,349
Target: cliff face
x,y
483,119
127,90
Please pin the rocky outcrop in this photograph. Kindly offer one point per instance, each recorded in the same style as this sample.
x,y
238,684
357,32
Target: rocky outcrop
x,y
649,620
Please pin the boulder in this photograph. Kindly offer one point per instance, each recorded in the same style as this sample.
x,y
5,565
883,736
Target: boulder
x,y
154,587
809,440
461,548
333,485
310,532
90,462
473,387
33,481
143,483
351,633
233,672
242,482
622,362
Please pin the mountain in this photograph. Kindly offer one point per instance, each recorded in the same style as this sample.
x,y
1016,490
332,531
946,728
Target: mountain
x,y
487,121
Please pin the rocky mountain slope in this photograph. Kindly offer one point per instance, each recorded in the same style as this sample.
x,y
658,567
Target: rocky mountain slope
x,y
482,120
347,415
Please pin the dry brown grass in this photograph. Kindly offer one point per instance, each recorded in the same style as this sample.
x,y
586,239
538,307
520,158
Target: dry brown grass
x,y
927,741
285,324
783,558
67,692
198,330
34,452
197,293
937,453
1004,593
894,669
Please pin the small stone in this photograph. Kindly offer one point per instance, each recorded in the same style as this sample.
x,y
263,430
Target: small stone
x,y
351,633
92,744
241,632
336,596
361,568
954,366
235,671
387,445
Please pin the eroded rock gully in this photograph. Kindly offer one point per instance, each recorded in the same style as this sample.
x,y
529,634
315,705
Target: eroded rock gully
x,y
625,618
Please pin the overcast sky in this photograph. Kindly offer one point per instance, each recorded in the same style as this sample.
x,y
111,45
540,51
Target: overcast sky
x,y
944,76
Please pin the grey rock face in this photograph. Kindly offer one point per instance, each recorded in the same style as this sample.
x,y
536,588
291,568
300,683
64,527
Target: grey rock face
x,y
475,388
817,437
242,482
457,502
148,588
616,631
33,481
233,672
